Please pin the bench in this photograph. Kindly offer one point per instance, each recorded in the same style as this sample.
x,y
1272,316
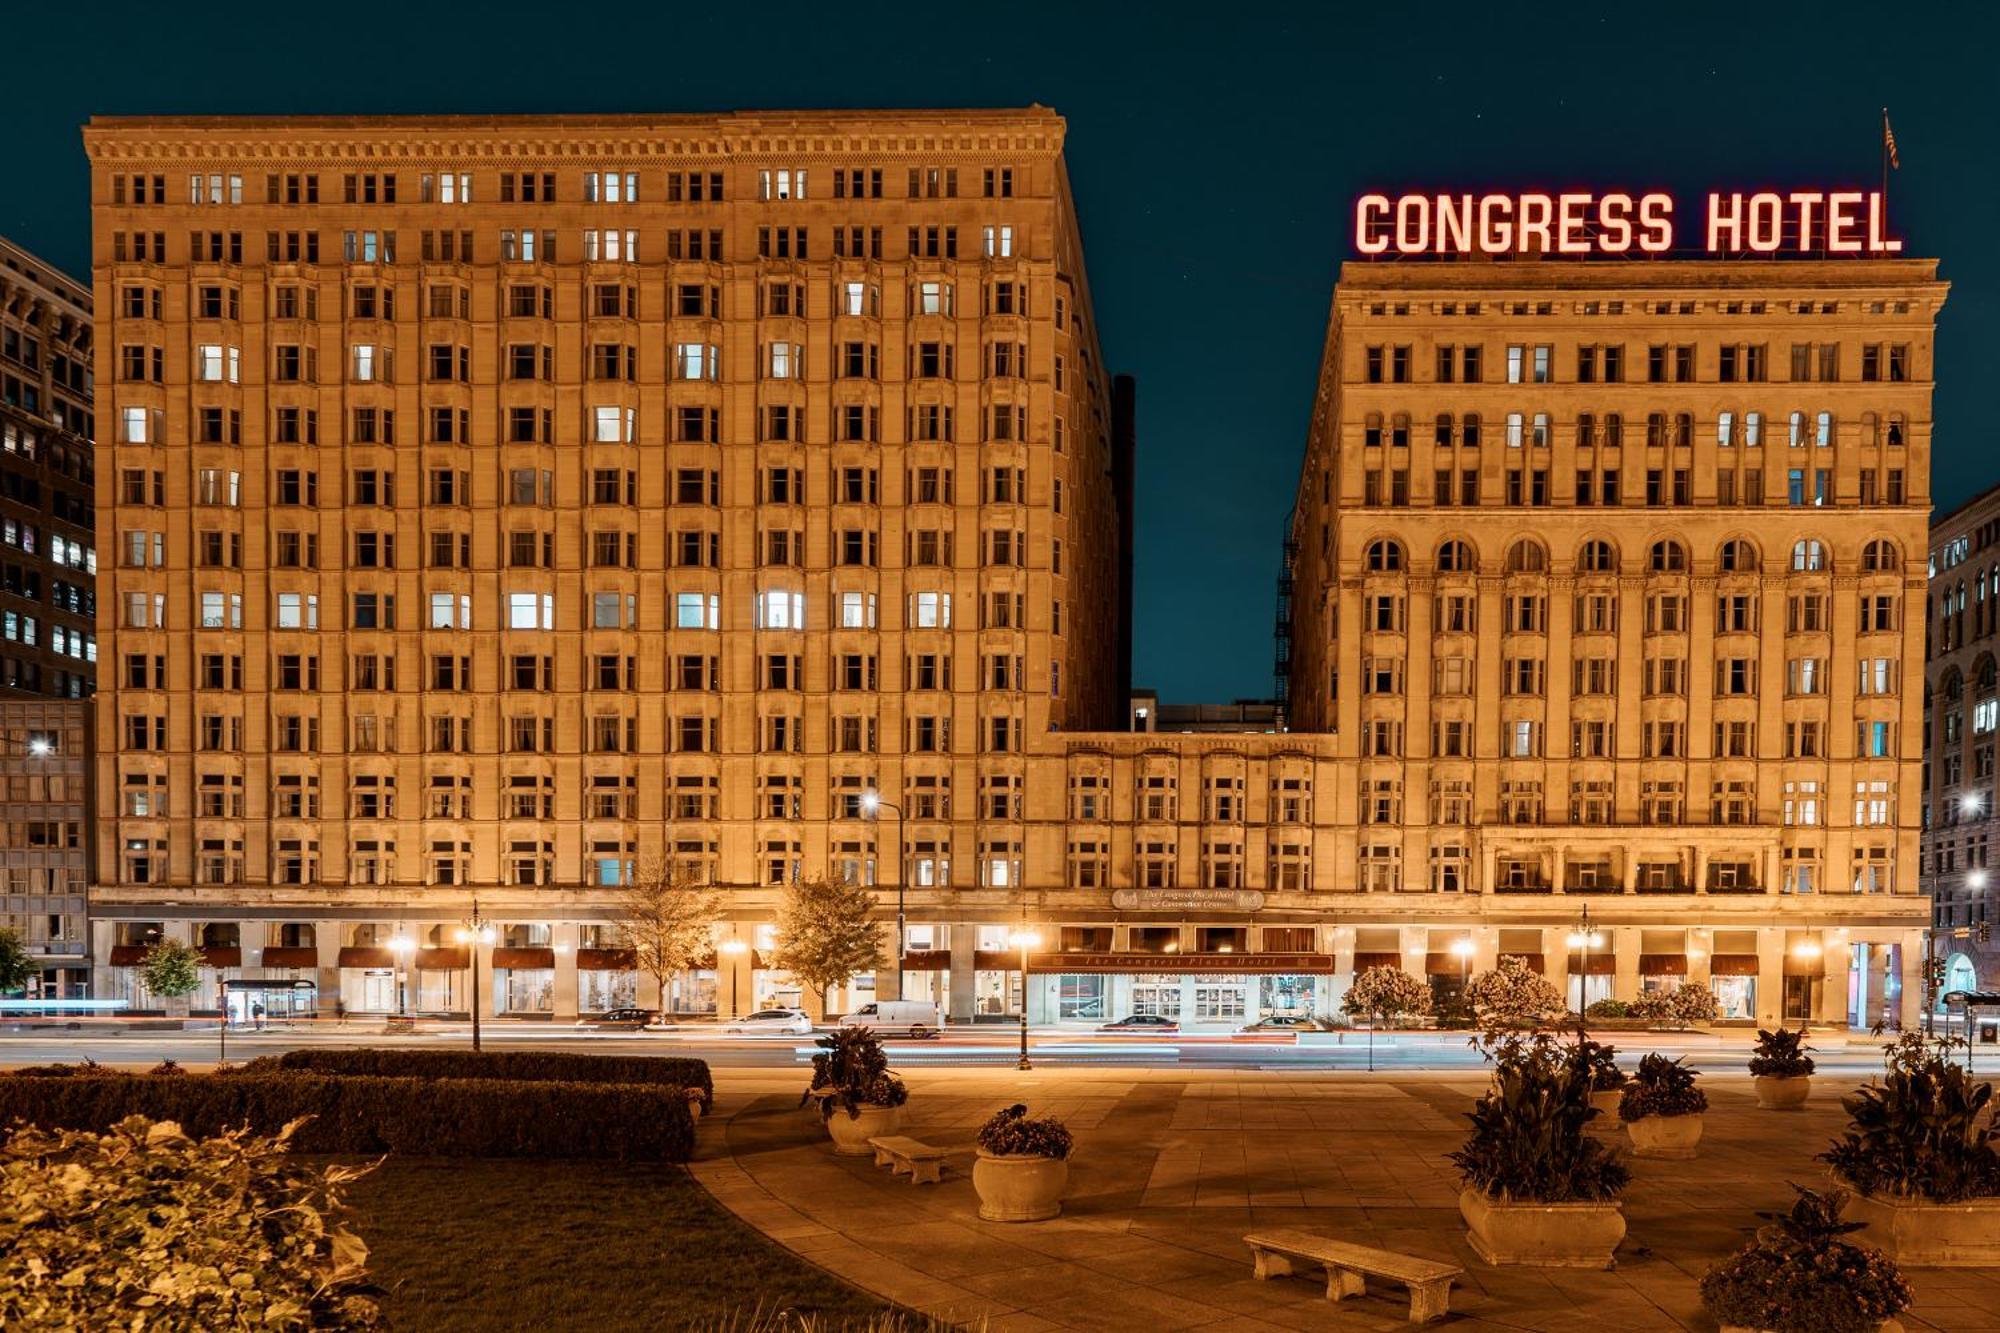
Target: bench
x,y
1346,1266
923,1162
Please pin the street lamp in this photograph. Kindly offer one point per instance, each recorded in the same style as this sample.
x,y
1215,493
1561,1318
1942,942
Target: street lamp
x,y
873,804
402,946
1583,937
474,931
734,948
1462,949
1026,939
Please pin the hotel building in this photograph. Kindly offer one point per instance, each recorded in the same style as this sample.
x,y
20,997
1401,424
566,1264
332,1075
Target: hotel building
x,y
1961,717
1606,582
48,641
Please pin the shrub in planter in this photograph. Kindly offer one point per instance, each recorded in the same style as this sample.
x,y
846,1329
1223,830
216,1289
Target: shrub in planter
x,y
851,1073
144,1227
1606,1009
1600,1064
1799,1276
1781,1069
1662,1108
522,1066
1692,1003
1537,1189
1022,1167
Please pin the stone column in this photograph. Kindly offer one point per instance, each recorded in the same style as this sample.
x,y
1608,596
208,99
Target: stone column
x,y
1770,975
484,998
563,935
1485,949
1699,969
646,994
1910,1005
1340,943
964,962
1624,942
326,940
889,977
1836,960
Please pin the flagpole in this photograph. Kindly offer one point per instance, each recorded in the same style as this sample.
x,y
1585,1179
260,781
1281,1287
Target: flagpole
x,y
1885,171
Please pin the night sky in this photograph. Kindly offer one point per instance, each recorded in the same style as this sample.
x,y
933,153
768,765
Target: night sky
x,y
1215,152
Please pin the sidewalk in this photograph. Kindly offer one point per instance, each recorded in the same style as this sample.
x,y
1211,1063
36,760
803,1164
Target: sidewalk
x,y
1172,1168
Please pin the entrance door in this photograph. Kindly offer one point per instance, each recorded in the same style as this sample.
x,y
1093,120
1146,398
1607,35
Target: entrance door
x,y
378,992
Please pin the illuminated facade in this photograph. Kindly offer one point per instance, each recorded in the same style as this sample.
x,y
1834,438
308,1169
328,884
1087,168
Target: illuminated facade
x,y
1607,578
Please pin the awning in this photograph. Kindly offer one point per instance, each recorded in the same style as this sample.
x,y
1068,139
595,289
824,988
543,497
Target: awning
x,y
607,960
1446,965
997,960
1663,965
289,955
445,958
1264,964
239,984
127,955
1732,965
366,955
221,955
1364,961
927,960
1601,963
529,957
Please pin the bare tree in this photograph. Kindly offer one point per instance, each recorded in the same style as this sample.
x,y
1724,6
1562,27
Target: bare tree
x,y
827,933
667,918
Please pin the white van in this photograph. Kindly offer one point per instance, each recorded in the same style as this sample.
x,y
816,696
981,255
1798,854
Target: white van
x,y
911,1016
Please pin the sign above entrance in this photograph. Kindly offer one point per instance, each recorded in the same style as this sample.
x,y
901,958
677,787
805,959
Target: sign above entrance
x,y
1284,964
1187,900
1583,223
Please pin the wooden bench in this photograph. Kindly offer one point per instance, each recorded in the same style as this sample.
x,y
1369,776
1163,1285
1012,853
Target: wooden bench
x,y
923,1162
1346,1266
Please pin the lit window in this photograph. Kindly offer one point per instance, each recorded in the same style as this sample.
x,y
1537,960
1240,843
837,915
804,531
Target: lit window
x,y
781,610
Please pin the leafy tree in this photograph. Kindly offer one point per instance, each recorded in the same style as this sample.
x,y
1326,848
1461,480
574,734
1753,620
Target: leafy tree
x,y
15,965
666,918
1514,993
827,933
1386,992
171,969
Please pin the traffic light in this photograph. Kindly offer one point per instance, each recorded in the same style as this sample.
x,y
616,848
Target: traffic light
x,y
1983,932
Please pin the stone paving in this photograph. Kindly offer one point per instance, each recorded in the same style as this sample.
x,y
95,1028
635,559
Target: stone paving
x,y
1173,1168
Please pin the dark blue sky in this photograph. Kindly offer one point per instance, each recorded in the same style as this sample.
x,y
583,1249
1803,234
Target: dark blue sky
x,y
1214,150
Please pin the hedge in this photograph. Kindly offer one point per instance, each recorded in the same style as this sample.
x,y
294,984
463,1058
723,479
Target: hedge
x,y
521,1066
437,1117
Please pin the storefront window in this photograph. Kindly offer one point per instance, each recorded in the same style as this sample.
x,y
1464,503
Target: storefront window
x,y
996,993
1214,1002
694,992
1080,995
1585,991
436,990
607,989
377,992
775,989
1157,995
528,990
1735,997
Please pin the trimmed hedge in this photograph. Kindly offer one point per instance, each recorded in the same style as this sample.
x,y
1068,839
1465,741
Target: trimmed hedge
x,y
358,1113
514,1066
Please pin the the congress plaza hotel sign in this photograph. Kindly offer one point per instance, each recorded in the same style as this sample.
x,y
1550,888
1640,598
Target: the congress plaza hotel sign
x,y
1799,222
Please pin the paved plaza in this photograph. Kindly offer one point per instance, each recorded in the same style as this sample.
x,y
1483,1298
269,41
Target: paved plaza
x,y
1172,1168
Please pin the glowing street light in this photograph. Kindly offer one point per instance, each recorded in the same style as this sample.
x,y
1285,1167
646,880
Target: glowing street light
x,y
1024,939
735,948
402,946
1583,937
1462,949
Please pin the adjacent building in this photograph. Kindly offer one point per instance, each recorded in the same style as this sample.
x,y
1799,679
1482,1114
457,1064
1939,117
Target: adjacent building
x,y
1961,717
1606,589
48,639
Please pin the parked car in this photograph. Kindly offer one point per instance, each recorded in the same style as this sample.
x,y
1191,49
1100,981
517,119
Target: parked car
x,y
911,1016
1141,1023
771,1020
627,1019
1282,1023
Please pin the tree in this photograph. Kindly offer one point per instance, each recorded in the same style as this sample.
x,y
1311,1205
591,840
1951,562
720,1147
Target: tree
x,y
15,965
827,933
1514,994
1386,992
667,918
171,969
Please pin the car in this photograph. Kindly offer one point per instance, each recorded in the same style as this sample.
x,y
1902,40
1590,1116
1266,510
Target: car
x,y
1141,1023
912,1016
630,1019
793,1021
1282,1023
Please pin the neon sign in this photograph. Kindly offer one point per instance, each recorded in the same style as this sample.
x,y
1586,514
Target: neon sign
x,y
1839,222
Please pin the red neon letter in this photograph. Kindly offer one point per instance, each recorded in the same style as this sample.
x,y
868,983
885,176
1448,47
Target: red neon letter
x,y
1570,239
1877,242
1841,222
1496,236
1656,223
1806,203
1366,239
1413,237
1718,222
1767,227
1454,223
1537,212
1614,218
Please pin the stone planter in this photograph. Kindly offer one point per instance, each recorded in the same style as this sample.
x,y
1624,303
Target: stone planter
x,y
1669,1136
850,1133
1780,1093
1919,1234
1019,1189
1606,1103
1886,1326
1542,1235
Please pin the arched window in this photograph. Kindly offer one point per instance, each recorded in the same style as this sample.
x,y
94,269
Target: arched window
x,y
1598,557
1526,557
1808,555
1879,556
1737,557
1668,557
1384,556
1455,557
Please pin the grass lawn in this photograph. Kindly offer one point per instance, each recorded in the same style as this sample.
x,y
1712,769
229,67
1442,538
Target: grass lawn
x,y
461,1243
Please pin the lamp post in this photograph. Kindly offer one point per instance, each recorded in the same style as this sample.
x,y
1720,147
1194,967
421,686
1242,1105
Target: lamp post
x,y
473,932
402,946
1583,937
734,948
222,1028
1462,949
1026,939
874,805
1809,950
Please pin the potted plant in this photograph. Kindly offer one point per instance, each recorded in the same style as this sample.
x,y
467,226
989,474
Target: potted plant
x,y
1781,1069
1921,1159
1607,1080
1662,1108
1022,1167
1799,1276
858,1097
1536,1189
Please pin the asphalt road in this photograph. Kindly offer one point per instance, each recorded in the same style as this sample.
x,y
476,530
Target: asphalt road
x,y
985,1046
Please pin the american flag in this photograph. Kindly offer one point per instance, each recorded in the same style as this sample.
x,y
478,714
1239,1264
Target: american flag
x,y
1889,141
